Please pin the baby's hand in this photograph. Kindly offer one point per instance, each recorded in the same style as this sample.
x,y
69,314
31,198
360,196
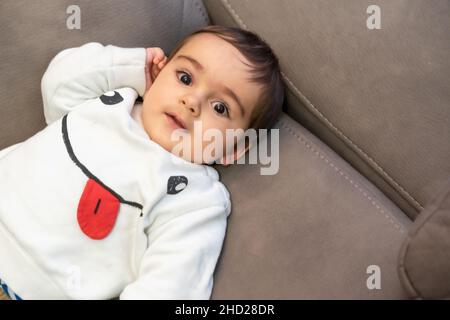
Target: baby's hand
x,y
156,60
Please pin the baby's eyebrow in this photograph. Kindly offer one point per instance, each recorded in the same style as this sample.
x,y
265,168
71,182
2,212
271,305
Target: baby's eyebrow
x,y
233,95
227,90
196,64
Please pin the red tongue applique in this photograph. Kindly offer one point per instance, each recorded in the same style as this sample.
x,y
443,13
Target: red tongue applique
x,y
97,210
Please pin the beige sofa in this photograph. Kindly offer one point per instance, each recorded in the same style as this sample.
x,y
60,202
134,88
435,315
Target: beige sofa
x,y
360,207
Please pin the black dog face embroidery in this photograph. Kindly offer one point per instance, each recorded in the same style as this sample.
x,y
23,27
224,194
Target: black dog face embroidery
x,y
176,184
109,100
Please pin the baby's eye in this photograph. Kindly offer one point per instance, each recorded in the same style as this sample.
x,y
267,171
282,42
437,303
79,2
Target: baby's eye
x,y
185,77
221,109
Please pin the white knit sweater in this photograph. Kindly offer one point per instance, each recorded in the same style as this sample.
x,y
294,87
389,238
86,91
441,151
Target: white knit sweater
x,y
91,208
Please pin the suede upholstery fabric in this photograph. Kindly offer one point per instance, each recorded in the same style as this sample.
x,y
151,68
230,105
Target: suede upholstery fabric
x,y
310,231
378,97
424,260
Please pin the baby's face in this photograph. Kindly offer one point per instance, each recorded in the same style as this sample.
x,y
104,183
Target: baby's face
x,y
206,81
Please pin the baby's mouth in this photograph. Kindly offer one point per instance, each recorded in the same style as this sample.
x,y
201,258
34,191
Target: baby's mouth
x,y
175,121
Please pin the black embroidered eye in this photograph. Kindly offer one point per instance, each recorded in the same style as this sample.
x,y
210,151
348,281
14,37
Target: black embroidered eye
x,y
185,78
176,184
109,100
221,109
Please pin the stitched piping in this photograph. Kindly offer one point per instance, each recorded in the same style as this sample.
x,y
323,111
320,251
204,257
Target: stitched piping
x,y
234,14
330,125
338,170
358,149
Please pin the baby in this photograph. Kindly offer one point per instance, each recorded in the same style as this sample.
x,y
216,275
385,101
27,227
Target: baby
x,y
98,205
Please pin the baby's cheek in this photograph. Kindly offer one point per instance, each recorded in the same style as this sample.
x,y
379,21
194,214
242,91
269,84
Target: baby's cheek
x,y
225,143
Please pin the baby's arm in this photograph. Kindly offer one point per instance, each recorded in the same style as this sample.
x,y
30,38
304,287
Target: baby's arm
x,y
79,74
181,256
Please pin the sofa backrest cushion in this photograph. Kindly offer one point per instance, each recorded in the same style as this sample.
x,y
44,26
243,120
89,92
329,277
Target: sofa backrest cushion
x,y
379,97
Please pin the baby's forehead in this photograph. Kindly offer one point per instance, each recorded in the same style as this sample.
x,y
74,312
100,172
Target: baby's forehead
x,y
210,45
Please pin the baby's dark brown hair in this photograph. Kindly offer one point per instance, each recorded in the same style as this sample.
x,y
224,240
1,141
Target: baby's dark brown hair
x,y
265,70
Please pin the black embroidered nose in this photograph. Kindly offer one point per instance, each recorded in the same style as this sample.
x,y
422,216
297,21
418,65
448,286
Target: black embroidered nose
x,y
176,184
109,100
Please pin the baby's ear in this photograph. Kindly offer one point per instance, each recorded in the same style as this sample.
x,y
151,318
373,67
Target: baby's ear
x,y
157,67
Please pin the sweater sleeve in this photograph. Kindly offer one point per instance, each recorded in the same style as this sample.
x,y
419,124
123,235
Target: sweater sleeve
x,y
181,257
76,75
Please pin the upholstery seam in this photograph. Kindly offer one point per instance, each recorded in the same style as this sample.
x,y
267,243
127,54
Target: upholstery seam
x,y
330,163
361,152
378,168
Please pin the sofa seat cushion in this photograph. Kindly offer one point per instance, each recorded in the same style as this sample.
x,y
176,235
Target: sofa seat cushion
x,y
310,231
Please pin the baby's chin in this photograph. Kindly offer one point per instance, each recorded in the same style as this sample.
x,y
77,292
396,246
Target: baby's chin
x,y
199,156
191,152
181,144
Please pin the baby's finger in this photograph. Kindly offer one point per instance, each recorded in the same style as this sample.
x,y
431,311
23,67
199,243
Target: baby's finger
x,y
158,55
155,71
162,63
149,58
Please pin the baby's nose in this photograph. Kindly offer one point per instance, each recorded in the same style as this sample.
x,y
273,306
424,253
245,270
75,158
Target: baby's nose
x,y
192,105
195,110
